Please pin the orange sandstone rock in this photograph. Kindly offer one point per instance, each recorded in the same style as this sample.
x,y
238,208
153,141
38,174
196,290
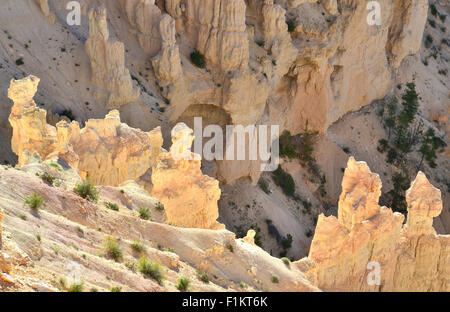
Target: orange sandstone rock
x,y
189,197
368,239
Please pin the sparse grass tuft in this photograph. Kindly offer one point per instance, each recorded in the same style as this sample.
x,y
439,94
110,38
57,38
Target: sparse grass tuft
x,y
35,201
286,261
113,249
151,269
203,277
159,206
274,278
76,287
144,213
22,216
183,284
87,190
131,266
138,247
112,206
47,178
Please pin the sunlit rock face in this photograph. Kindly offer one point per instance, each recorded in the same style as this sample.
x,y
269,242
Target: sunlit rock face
x,y
167,63
144,17
30,129
1,219
105,150
109,152
301,73
108,70
189,197
329,84
347,251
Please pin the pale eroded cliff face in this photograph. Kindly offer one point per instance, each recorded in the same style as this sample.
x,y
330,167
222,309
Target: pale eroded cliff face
x,y
109,152
189,197
105,150
259,70
108,70
30,129
409,257
331,62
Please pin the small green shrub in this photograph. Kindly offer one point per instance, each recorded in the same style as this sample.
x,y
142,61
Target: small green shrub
x,y
159,206
112,206
287,148
131,266
87,190
198,59
56,166
20,62
243,285
274,278
47,178
152,269
203,277
286,242
230,247
286,261
76,287
264,186
138,247
291,25
433,9
113,250
22,216
35,201
116,289
383,144
284,180
183,284
170,249
144,213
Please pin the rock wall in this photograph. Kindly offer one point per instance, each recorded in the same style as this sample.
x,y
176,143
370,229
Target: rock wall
x,y
105,150
347,252
144,16
109,152
1,219
329,61
46,11
189,197
109,72
167,64
30,129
